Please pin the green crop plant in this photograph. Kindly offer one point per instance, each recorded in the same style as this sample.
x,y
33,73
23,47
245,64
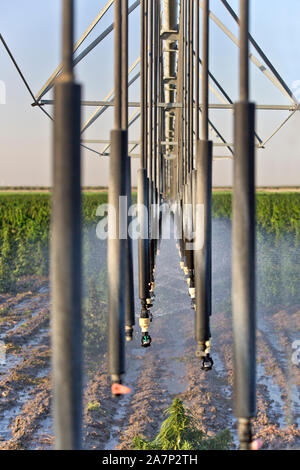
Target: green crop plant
x,y
180,431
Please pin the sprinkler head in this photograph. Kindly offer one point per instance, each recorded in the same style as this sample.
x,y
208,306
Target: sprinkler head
x,y
207,363
146,340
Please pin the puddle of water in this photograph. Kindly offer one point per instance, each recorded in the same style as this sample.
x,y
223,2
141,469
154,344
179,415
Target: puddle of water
x,y
275,400
227,392
14,359
295,402
221,371
45,429
9,414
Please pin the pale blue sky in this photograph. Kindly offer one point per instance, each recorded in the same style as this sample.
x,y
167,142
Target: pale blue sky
x,y
32,31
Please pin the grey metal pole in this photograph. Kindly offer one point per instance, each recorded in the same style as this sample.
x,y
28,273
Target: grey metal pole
x,y
197,84
117,221
143,197
155,97
179,95
202,252
150,124
66,250
205,67
189,253
191,85
146,2
142,88
243,226
189,90
244,50
144,266
150,166
130,310
185,89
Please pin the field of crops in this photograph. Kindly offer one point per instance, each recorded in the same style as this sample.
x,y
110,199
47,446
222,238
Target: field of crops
x,y
168,369
25,223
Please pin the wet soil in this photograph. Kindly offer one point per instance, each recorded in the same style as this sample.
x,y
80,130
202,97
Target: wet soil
x,y
168,369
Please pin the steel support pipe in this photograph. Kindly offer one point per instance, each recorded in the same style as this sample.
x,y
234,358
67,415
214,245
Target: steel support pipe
x,y
117,224
117,218
66,251
143,254
129,307
189,253
130,304
194,193
144,269
202,252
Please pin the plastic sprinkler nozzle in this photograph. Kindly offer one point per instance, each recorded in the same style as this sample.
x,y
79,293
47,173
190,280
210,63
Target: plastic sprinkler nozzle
x,y
203,352
207,363
148,304
146,340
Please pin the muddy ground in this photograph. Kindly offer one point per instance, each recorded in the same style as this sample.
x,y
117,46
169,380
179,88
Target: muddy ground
x,y
156,375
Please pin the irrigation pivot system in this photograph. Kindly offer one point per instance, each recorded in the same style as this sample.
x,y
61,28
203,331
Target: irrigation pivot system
x,y
176,153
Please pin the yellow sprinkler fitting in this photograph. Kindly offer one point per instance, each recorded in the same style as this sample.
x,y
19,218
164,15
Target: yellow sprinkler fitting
x,y
192,292
181,264
152,285
207,347
186,270
200,351
144,324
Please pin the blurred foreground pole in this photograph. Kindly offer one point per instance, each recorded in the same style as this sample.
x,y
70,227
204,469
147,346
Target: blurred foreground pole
x,y
117,219
66,250
203,212
243,270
